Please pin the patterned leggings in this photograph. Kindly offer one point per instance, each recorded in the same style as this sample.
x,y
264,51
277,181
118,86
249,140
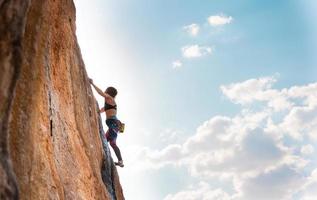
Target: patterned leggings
x,y
112,135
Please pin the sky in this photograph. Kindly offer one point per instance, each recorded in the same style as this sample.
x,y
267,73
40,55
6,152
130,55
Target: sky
x,y
219,97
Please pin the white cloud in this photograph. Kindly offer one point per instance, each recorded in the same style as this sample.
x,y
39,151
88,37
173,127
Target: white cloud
x,y
307,149
219,20
257,90
301,121
177,64
223,146
249,91
277,184
192,29
250,150
260,90
307,92
195,51
308,189
202,192
300,101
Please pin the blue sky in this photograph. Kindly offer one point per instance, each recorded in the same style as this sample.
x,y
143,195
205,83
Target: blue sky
x,y
247,61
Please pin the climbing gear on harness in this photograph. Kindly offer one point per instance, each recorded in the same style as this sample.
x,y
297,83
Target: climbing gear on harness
x,y
121,126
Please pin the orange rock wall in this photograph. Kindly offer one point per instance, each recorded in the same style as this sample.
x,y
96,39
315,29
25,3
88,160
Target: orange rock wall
x,y
54,139
12,24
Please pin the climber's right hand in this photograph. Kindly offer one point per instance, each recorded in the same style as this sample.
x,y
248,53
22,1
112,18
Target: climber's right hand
x,y
90,81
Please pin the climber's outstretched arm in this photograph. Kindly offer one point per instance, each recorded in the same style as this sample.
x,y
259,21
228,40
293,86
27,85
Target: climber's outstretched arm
x,y
99,91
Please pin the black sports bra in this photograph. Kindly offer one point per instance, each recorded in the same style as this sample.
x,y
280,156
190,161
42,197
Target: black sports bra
x,y
108,106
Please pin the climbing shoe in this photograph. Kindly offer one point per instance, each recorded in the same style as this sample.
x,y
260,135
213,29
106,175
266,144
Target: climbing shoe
x,y
119,163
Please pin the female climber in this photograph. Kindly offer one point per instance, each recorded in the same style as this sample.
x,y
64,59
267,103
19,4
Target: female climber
x,y
112,122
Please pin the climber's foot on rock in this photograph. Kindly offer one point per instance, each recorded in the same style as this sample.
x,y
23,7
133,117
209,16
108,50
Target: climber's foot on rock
x,y
119,163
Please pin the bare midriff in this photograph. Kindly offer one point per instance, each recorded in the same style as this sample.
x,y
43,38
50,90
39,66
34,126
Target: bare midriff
x,y
110,113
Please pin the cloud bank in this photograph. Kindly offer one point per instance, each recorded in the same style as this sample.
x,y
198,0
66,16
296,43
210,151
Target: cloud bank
x,y
267,151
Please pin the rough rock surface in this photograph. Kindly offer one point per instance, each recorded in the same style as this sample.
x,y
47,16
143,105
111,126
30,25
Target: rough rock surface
x,y
12,23
54,134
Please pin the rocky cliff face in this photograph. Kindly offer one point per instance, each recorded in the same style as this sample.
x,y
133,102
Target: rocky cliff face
x,y
49,124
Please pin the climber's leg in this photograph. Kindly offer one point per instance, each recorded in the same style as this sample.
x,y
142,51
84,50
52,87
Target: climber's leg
x,y
117,152
111,136
108,136
116,149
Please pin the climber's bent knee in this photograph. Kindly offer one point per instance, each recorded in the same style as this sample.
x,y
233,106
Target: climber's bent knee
x,y
113,143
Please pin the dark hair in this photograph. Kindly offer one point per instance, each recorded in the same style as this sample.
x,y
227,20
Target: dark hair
x,y
112,91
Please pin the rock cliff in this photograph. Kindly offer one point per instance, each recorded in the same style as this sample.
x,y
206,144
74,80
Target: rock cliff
x,y
51,137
